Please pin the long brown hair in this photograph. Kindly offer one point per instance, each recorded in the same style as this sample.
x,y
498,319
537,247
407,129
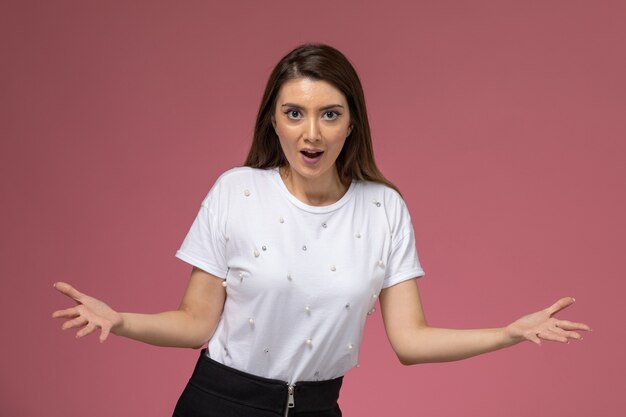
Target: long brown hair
x,y
318,62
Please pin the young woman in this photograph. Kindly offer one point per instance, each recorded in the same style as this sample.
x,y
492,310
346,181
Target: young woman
x,y
290,254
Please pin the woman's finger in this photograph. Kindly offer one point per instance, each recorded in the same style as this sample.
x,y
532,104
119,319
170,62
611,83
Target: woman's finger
x,y
104,333
89,328
68,313
567,333
77,322
68,290
560,305
533,337
552,336
573,335
568,325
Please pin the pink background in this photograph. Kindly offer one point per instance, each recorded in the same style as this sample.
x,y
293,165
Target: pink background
x,y
503,123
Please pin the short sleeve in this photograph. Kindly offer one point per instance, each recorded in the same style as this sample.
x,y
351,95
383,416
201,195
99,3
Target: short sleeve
x,y
403,262
204,245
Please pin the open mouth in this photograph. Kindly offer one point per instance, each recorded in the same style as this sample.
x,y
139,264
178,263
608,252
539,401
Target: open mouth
x,y
311,154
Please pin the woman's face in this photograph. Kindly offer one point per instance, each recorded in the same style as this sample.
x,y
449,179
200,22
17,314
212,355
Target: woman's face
x,y
312,121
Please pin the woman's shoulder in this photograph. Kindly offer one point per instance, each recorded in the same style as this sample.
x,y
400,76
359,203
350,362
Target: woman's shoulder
x,y
383,192
243,175
237,180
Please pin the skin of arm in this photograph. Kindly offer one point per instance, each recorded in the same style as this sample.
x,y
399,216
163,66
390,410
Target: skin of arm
x,y
190,326
415,342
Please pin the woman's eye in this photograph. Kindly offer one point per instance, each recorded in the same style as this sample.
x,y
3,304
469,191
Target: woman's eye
x,y
293,114
331,115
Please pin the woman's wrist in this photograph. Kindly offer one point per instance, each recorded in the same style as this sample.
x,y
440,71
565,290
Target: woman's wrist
x,y
119,327
511,336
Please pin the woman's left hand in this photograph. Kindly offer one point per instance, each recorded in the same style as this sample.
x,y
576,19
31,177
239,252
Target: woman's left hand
x,y
543,326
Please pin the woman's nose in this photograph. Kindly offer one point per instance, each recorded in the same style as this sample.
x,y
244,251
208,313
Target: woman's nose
x,y
312,130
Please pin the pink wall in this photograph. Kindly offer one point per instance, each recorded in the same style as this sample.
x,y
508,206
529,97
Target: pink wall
x,y
503,122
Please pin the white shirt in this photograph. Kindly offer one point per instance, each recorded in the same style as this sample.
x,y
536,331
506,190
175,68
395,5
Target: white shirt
x,y
301,280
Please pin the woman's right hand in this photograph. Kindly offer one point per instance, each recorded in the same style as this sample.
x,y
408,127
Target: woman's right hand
x,y
89,314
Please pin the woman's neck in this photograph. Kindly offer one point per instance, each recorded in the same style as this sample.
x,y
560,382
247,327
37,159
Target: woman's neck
x,y
315,192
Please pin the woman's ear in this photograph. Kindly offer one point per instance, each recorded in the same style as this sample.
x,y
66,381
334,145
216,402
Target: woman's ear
x,y
274,122
349,130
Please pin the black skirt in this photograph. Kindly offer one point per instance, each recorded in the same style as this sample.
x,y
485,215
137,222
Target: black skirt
x,y
216,390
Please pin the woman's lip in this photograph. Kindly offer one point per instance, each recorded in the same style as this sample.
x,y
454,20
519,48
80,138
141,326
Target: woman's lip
x,y
311,161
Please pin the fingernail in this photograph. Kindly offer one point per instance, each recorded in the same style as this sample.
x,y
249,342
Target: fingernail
x,y
573,299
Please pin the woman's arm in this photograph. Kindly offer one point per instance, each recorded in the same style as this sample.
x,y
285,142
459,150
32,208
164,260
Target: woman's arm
x,y
191,325
415,342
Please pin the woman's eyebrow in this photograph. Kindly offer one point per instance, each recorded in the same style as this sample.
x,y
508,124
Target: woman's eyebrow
x,y
330,106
